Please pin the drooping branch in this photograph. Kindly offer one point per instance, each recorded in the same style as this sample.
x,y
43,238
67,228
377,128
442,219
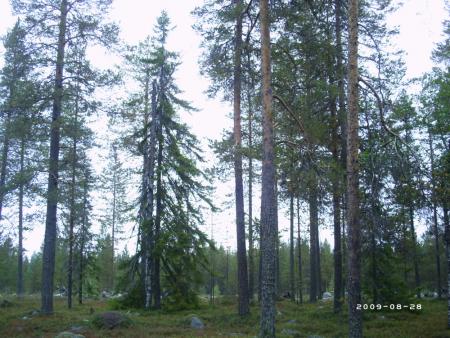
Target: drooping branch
x,y
380,108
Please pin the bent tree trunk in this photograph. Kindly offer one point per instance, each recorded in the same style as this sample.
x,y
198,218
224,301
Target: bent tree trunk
x,y
48,258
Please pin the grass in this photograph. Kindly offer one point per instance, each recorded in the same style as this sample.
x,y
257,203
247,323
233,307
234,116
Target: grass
x,y
221,320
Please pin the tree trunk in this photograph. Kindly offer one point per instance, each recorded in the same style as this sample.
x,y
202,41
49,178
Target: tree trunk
x,y
114,213
159,192
291,247
147,200
447,251
268,195
299,245
354,229
21,193
314,288
82,240
435,219
415,258
4,162
243,306
337,305
72,209
48,259
251,253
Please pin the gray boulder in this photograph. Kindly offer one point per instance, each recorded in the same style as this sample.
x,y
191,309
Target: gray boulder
x,y
67,334
290,332
196,323
327,296
110,320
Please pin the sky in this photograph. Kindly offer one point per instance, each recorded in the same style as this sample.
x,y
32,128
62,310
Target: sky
x,y
419,22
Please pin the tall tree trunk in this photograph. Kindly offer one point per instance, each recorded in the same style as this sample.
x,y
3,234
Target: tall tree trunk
x,y
72,209
435,219
48,259
291,247
354,228
114,215
268,195
337,304
414,248
343,136
314,288
21,193
82,241
447,252
243,306
251,253
147,213
299,245
159,192
4,167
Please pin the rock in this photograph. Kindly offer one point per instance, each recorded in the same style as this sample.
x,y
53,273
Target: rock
x,y
290,332
196,323
327,295
279,313
25,318
77,329
67,334
34,313
292,321
6,303
106,294
110,320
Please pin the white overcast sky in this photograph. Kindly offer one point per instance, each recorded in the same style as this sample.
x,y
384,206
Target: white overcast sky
x,y
420,23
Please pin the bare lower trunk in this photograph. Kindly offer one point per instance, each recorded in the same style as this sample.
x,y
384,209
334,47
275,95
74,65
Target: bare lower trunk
x,y
299,245
147,198
243,304
435,220
268,195
415,257
354,228
5,152
159,209
48,257
291,248
314,287
20,249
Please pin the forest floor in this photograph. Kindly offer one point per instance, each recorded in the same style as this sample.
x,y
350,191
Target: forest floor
x,y
221,320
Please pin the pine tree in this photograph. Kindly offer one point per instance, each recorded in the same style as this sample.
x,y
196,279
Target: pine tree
x,y
71,20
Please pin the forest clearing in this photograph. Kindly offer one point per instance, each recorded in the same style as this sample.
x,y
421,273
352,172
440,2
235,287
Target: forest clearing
x,y
189,168
220,320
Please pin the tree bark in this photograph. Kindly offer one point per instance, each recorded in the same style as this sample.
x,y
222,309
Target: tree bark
x,y
159,210
268,195
314,287
251,253
20,290
291,247
299,245
415,258
48,259
4,162
72,208
353,225
243,297
435,219
337,305
147,213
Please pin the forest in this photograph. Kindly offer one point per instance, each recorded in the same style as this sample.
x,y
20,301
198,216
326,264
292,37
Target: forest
x,y
327,135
